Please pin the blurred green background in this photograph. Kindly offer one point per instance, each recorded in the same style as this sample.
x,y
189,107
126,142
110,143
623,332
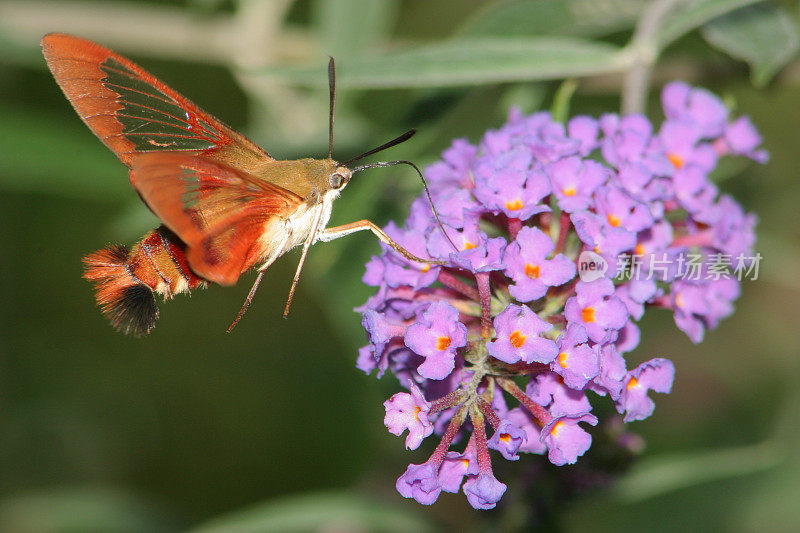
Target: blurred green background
x,y
271,428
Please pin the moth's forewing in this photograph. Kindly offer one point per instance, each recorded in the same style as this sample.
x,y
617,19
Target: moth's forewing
x,y
228,219
133,112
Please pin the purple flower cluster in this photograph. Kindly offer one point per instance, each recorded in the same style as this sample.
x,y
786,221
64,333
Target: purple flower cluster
x,y
502,313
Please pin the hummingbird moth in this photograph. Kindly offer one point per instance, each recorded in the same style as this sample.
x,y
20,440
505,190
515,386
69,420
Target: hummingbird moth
x,y
225,204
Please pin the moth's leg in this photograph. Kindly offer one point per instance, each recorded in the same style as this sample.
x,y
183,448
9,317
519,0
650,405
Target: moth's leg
x,y
306,245
330,234
271,259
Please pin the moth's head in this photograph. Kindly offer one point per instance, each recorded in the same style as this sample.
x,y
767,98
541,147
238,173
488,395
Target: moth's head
x,y
339,178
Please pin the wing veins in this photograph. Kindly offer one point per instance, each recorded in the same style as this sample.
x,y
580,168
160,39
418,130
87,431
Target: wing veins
x,y
87,117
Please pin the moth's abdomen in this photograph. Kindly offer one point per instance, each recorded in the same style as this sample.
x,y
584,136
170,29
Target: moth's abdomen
x,y
126,280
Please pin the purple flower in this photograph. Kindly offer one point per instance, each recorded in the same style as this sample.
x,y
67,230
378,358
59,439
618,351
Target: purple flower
x,y
634,294
549,391
397,271
602,238
452,172
476,252
527,264
523,420
507,184
657,375
636,205
507,439
584,129
629,140
574,181
597,309
454,467
741,138
692,189
681,141
380,330
518,332
612,371
733,229
435,336
565,440
620,210
576,363
484,491
420,482
406,411
695,105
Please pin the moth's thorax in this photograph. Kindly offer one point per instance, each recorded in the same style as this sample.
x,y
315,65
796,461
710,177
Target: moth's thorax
x,y
303,176
280,236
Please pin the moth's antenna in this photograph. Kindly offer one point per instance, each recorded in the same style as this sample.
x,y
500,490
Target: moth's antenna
x,y
332,88
424,185
246,302
394,142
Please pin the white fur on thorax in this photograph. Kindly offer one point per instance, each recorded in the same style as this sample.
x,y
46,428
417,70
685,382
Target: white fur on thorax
x,y
297,227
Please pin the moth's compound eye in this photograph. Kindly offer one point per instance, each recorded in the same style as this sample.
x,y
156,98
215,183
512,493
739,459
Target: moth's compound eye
x,y
336,180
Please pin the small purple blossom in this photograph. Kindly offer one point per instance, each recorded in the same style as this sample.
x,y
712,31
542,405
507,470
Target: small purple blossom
x,y
577,362
484,491
435,336
574,181
508,185
527,264
597,309
657,375
566,440
454,467
518,332
507,439
421,483
406,411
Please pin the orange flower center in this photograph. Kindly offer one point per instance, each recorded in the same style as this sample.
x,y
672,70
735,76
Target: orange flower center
x,y
442,343
516,205
532,271
639,250
556,428
587,314
504,438
469,246
678,299
563,357
568,191
676,160
632,384
416,412
517,339
614,220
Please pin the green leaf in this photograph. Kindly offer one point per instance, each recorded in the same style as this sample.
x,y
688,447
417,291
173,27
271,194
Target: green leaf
x,y
764,36
592,18
335,22
659,475
42,153
466,62
326,511
87,510
688,16
560,108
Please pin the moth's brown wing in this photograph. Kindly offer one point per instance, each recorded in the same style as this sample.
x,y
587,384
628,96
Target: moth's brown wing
x,y
227,218
132,111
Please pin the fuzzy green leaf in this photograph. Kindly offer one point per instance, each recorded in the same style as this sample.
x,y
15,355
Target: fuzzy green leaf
x,y
764,36
465,62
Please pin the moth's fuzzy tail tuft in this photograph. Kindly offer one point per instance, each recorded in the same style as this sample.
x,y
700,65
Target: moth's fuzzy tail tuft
x,y
128,303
